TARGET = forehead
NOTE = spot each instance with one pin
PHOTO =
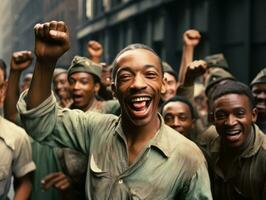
(229, 101)
(176, 107)
(139, 57)
(168, 76)
(80, 75)
(61, 76)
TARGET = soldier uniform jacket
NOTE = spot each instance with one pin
(247, 177)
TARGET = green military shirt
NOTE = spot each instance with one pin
(246, 179)
(169, 167)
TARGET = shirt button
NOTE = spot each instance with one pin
(120, 181)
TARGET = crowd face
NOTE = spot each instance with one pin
(233, 119)
(171, 85)
(61, 86)
(138, 84)
(259, 93)
(26, 83)
(83, 89)
(178, 116)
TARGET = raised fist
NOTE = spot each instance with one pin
(51, 41)
(95, 49)
(191, 37)
(194, 70)
(21, 60)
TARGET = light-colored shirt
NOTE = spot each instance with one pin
(169, 166)
(15, 153)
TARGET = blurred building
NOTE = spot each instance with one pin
(235, 28)
(67, 11)
(20, 17)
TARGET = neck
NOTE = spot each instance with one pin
(140, 134)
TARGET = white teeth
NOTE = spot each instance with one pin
(140, 99)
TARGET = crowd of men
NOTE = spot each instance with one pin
(134, 129)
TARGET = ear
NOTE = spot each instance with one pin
(113, 89)
(254, 113)
(97, 88)
(163, 88)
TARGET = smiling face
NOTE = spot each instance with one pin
(83, 90)
(233, 119)
(138, 83)
(178, 116)
(171, 86)
(61, 86)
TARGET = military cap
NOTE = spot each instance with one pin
(59, 71)
(83, 64)
(260, 77)
(167, 68)
(215, 76)
(216, 60)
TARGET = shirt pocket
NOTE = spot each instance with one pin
(100, 180)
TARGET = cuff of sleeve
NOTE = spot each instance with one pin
(45, 107)
(22, 171)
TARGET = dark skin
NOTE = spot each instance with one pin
(20, 61)
(52, 41)
(138, 75)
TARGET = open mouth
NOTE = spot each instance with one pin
(261, 106)
(232, 135)
(77, 98)
(140, 105)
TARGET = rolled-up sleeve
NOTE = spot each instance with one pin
(49, 123)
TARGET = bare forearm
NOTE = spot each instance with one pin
(40, 88)
(23, 190)
(12, 95)
(187, 58)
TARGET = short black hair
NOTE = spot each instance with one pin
(182, 99)
(133, 47)
(3, 67)
(233, 87)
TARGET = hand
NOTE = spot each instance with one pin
(194, 70)
(95, 49)
(57, 180)
(21, 60)
(191, 38)
(51, 41)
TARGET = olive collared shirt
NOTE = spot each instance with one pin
(169, 166)
(246, 179)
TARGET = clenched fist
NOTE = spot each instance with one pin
(191, 37)
(51, 41)
(21, 60)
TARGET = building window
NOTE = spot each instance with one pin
(89, 8)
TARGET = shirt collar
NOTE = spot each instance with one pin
(160, 141)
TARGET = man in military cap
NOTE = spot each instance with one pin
(258, 88)
(84, 78)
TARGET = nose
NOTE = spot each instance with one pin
(76, 86)
(230, 121)
(139, 82)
